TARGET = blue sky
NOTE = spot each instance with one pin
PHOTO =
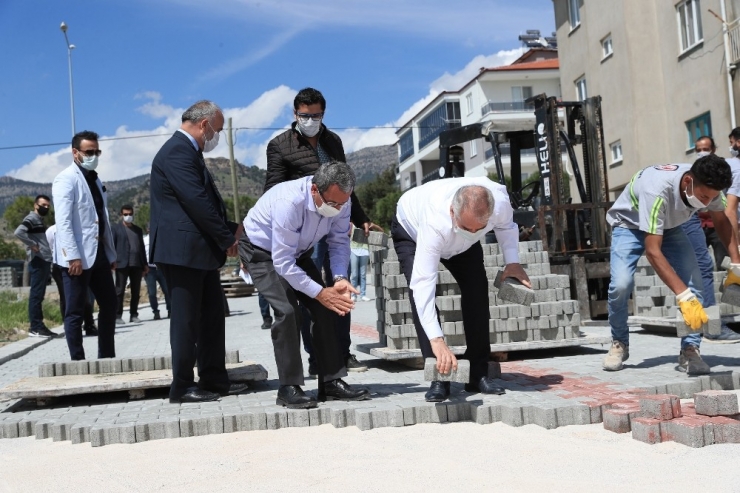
(139, 63)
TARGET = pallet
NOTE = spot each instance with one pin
(667, 325)
(235, 287)
(380, 351)
(44, 388)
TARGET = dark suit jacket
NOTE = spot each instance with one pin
(188, 224)
(120, 240)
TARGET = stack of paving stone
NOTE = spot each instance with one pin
(652, 298)
(553, 316)
(712, 418)
(7, 277)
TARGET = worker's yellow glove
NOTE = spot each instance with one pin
(733, 275)
(691, 309)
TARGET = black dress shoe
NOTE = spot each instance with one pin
(233, 388)
(195, 394)
(293, 397)
(438, 391)
(91, 331)
(485, 385)
(339, 390)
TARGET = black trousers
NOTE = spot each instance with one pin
(99, 280)
(197, 328)
(469, 271)
(720, 252)
(286, 329)
(134, 274)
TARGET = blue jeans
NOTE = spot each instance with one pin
(358, 264)
(698, 240)
(153, 277)
(264, 305)
(38, 270)
(628, 245)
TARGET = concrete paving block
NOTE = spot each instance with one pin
(716, 403)
(722, 430)
(461, 375)
(319, 416)
(480, 413)
(62, 431)
(338, 418)
(145, 431)
(660, 406)
(80, 433)
(110, 365)
(542, 416)
(126, 433)
(46, 370)
(276, 419)
(59, 369)
(687, 431)
(430, 413)
(364, 419)
(160, 363)
(27, 427)
(97, 436)
(716, 381)
(193, 426)
(731, 295)
(458, 411)
(511, 414)
(513, 291)
(646, 430)
(42, 429)
(617, 420)
(298, 418)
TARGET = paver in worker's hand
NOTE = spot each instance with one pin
(512, 290)
(461, 375)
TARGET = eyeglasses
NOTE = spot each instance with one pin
(336, 205)
(304, 117)
(91, 152)
(127, 214)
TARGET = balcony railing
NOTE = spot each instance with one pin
(406, 154)
(734, 34)
(496, 107)
(434, 175)
(505, 151)
(429, 135)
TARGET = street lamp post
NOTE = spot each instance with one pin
(70, 47)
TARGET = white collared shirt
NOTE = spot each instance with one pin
(424, 213)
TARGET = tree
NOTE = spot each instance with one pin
(380, 196)
(245, 203)
(11, 250)
(19, 209)
(141, 216)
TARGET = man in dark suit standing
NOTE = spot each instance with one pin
(189, 240)
(131, 262)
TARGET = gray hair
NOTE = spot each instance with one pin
(474, 198)
(200, 110)
(334, 173)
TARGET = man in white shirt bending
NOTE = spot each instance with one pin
(444, 221)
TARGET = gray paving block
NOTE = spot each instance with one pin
(511, 414)
(458, 411)
(338, 418)
(27, 427)
(430, 413)
(646, 430)
(319, 416)
(731, 295)
(713, 327)
(62, 431)
(276, 419)
(364, 419)
(298, 418)
(46, 370)
(194, 426)
(716, 403)
(540, 415)
(42, 429)
(232, 356)
(80, 433)
(461, 375)
(480, 413)
(512, 290)
(684, 431)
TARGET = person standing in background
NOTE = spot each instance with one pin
(358, 263)
(131, 262)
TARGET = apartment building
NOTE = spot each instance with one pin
(496, 93)
(661, 68)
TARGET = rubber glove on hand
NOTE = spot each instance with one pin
(733, 275)
(691, 309)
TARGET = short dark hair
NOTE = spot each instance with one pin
(127, 207)
(84, 135)
(41, 196)
(735, 134)
(711, 140)
(712, 171)
(309, 96)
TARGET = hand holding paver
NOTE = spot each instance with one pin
(691, 309)
(511, 289)
(461, 375)
(446, 361)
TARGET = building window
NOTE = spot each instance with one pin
(443, 117)
(606, 47)
(521, 93)
(473, 148)
(698, 127)
(574, 15)
(469, 103)
(406, 146)
(581, 92)
(688, 15)
(616, 148)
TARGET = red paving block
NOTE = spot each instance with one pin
(716, 403)
(660, 406)
(646, 430)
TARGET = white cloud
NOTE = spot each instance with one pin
(130, 153)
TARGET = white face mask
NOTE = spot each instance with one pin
(128, 219)
(702, 154)
(327, 210)
(310, 128)
(734, 152)
(692, 199)
(468, 235)
(210, 144)
(89, 162)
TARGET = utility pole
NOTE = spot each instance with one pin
(237, 218)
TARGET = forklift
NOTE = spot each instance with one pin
(575, 235)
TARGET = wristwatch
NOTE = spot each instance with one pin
(339, 278)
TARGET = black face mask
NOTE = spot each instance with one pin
(43, 211)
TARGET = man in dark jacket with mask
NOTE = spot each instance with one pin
(299, 152)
